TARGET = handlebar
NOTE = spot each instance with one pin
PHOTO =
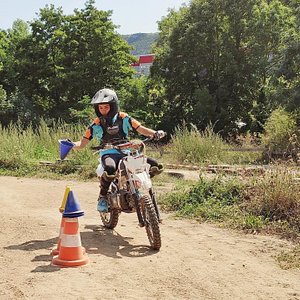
(128, 144)
(123, 144)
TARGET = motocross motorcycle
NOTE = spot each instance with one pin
(132, 191)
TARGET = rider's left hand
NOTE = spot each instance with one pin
(159, 134)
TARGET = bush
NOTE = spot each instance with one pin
(270, 203)
(278, 130)
(275, 197)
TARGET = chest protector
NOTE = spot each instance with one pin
(113, 132)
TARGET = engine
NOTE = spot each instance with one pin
(126, 201)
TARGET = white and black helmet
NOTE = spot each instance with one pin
(106, 96)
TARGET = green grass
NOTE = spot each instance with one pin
(207, 200)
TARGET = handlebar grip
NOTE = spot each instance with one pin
(96, 148)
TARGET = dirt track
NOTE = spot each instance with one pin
(196, 261)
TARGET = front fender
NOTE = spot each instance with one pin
(144, 179)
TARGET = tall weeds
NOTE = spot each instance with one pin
(193, 146)
(200, 147)
(275, 197)
(18, 145)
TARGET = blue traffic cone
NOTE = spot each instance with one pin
(64, 147)
(72, 208)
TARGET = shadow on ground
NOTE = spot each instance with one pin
(98, 240)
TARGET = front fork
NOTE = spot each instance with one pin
(136, 197)
(153, 197)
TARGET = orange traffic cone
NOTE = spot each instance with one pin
(71, 253)
(55, 251)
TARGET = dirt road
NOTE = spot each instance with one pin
(196, 261)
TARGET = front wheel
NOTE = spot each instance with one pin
(110, 219)
(151, 222)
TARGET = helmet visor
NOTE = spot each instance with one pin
(104, 96)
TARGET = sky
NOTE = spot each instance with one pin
(132, 16)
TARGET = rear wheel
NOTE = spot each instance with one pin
(151, 222)
(110, 219)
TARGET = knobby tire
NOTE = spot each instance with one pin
(110, 219)
(151, 222)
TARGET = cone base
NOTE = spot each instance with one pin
(55, 251)
(69, 263)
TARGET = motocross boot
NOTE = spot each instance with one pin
(156, 170)
(104, 186)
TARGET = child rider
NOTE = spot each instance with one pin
(110, 126)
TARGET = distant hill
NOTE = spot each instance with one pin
(141, 42)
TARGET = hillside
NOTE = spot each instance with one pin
(141, 42)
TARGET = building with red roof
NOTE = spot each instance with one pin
(142, 67)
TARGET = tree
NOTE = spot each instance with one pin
(139, 101)
(66, 58)
(9, 43)
(286, 79)
(214, 58)
(3, 47)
